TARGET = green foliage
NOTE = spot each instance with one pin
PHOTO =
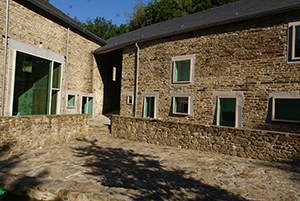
(156, 11)
(102, 28)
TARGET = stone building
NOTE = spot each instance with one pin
(48, 65)
(236, 65)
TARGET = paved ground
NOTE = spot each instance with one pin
(115, 169)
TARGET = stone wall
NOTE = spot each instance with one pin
(20, 133)
(247, 143)
(33, 26)
(248, 57)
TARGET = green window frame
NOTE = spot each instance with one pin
(286, 109)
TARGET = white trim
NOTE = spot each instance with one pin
(35, 51)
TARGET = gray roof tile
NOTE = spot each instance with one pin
(233, 12)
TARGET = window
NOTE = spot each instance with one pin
(150, 105)
(182, 104)
(183, 70)
(294, 42)
(286, 109)
(130, 100)
(87, 105)
(228, 108)
(71, 100)
(227, 111)
(114, 74)
(36, 85)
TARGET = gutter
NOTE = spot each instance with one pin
(136, 77)
(66, 71)
(5, 57)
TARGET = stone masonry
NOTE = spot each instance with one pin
(247, 143)
(35, 27)
(22, 133)
(249, 56)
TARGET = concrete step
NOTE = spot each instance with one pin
(101, 129)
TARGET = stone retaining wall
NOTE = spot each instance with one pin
(247, 143)
(20, 133)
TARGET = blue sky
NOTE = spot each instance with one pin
(109, 9)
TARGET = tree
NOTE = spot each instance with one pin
(156, 11)
(136, 17)
(102, 28)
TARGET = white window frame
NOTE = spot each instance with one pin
(75, 100)
(80, 103)
(291, 43)
(155, 95)
(192, 69)
(190, 97)
(240, 103)
(17, 46)
(130, 94)
(274, 112)
(236, 110)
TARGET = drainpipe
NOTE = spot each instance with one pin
(5, 53)
(67, 51)
(136, 78)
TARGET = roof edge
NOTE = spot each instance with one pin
(69, 22)
(260, 14)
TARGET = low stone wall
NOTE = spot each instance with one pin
(258, 144)
(21, 133)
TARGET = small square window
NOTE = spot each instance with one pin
(130, 100)
(71, 100)
(286, 109)
(182, 104)
(183, 70)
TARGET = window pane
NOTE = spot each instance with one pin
(149, 107)
(31, 85)
(90, 105)
(54, 102)
(182, 70)
(71, 100)
(84, 107)
(227, 112)
(56, 75)
(129, 99)
(181, 105)
(287, 109)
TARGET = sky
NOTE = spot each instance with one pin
(109, 9)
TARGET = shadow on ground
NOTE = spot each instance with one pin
(17, 186)
(144, 174)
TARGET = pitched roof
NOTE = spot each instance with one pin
(241, 10)
(52, 10)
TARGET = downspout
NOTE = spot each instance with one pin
(66, 71)
(5, 53)
(136, 78)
